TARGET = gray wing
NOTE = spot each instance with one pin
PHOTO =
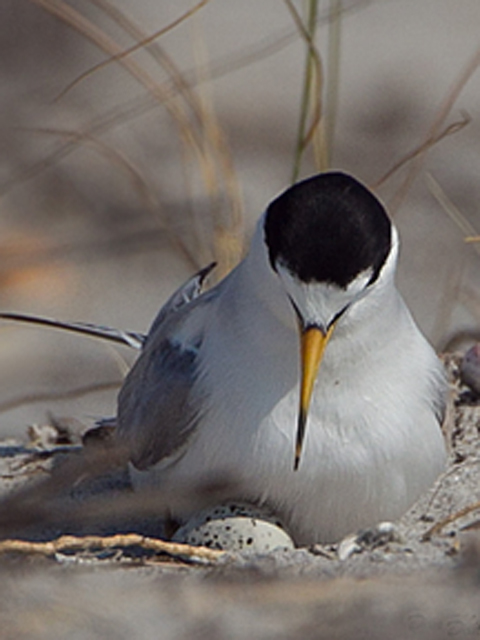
(160, 402)
(190, 290)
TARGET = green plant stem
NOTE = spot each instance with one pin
(333, 74)
(307, 89)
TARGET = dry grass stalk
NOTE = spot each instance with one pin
(186, 110)
(52, 396)
(85, 543)
(119, 17)
(141, 105)
(434, 133)
(115, 157)
(336, 11)
(438, 526)
(312, 90)
(453, 212)
(423, 148)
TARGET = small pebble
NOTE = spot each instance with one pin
(470, 368)
(378, 536)
(348, 546)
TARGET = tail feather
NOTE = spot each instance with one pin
(129, 338)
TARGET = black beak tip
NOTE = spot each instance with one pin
(302, 420)
(296, 463)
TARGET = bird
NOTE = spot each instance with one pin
(302, 374)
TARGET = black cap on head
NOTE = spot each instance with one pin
(328, 228)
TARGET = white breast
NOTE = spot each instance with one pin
(373, 443)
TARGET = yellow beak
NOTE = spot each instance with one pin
(313, 344)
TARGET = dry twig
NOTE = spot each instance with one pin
(84, 543)
(438, 526)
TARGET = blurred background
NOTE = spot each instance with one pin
(139, 140)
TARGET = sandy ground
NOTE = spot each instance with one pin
(420, 581)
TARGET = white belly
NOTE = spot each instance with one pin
(368, 454)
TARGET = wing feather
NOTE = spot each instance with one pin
(156, 409)
(160, 402)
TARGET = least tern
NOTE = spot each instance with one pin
(301, 375)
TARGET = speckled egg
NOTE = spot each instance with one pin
(235, 527)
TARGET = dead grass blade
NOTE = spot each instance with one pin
(441, 524)
(452, 211)
(336, 12)
(454, 286)
(96, 36)
(71, 394)
(423, 148)
(434, 131)
(216, 167)
(51, 548)
(311, 100)
(210, 154)
(178, 82)
(115, 157)
(141, 105)
(119, 17)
